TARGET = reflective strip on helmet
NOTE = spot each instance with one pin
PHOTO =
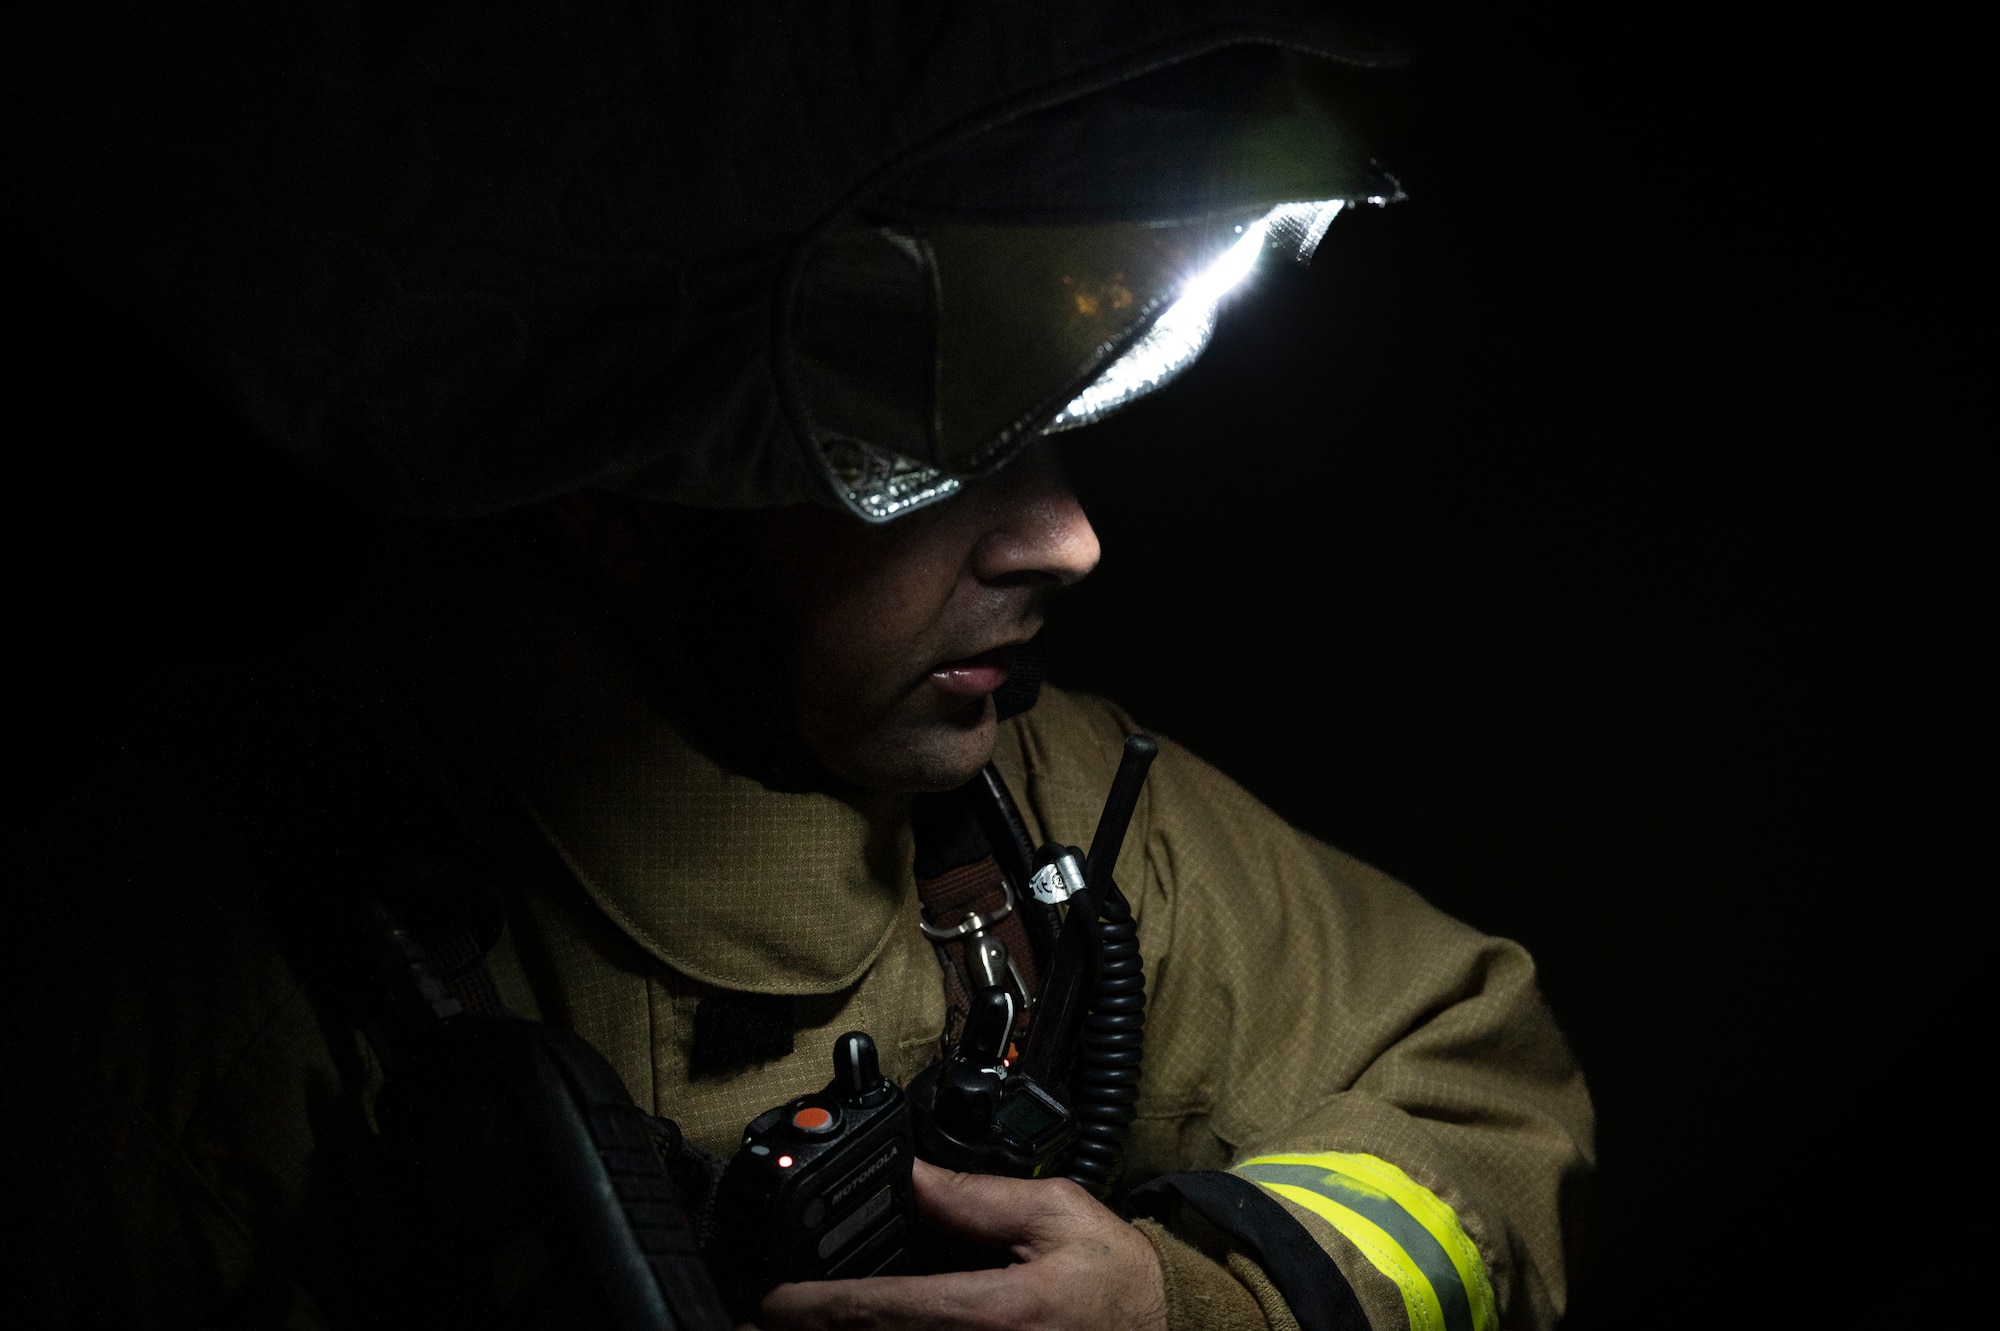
(1403, 1230)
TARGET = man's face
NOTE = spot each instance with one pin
(895, 636)
(901, 633)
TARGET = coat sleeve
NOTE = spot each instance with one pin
(1362, 1096)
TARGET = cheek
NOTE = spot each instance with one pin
(871, 646)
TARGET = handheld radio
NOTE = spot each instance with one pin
(820, 1188)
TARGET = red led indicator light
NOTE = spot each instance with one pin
(784, 1162)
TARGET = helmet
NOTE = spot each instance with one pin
(730, 254)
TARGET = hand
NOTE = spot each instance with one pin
(1077, 1266)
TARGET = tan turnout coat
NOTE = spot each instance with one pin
(1300, 1004)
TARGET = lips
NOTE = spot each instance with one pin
(975, 676)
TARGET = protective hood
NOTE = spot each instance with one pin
(732, 254)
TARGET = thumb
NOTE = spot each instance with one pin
(998, 1212)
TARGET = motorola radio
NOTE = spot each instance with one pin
(820, 1188)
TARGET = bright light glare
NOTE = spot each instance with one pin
(784, 1162)
(1173, 342)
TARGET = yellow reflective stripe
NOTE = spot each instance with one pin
(1420, 1300)
(1424, 1237)
(1429, 1212)
(1443, 1224)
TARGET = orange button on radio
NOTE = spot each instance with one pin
(812, 1119)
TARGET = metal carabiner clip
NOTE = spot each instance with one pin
(973, 927)
(974, 923)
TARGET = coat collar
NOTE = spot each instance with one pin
(724, 880)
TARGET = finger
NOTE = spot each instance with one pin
(962, 1301)
(1001, 1212)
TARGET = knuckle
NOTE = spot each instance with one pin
(1070, 1198)
(1073, 1190)
(849, 1312)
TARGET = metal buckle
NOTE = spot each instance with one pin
(974, 923)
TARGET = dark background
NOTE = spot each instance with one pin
(1592, 540)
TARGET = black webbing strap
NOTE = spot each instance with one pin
(1314, 1288)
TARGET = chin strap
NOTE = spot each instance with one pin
(1024, 681)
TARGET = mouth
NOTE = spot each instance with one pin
(975, 676)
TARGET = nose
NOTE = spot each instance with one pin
(1035, 527)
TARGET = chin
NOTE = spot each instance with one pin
(922, 757)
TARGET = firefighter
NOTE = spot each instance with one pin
(766, 321)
